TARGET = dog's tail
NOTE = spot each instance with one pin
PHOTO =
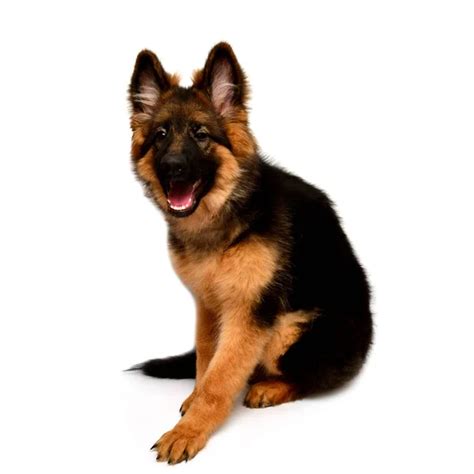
(176, 367)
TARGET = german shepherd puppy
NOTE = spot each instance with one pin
(282, 302)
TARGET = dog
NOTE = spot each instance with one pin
(283, 304)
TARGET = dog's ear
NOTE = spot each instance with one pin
(149, 81)
(223, 80)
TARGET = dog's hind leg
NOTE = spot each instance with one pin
(270, 392)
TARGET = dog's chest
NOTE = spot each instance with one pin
(234, 277)
(200, 273)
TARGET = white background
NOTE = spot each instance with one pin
(372, 101)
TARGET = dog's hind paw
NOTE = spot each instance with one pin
(268, 393)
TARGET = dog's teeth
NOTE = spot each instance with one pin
(180, 208)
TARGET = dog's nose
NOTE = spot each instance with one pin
(174, 165)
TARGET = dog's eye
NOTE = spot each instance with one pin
(161, 133)
(201, 135)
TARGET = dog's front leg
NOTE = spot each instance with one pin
(241, 342)
(206, 341)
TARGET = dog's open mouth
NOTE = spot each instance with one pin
(182, 196)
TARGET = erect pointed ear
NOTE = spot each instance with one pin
(149, 81)
(223, 79)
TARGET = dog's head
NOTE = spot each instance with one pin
(190, 145)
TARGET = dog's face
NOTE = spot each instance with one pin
(190, 144)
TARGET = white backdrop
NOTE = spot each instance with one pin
(371, 101)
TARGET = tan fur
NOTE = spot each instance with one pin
(286, 331)
(244, 145)
(206, 338)
(228, 278)
(270, 392)
(197, 76)
(240, 346)
(144, 169)
(206, 343)
(228, 281)
(138, 138)
(225, 281)
(174, 79)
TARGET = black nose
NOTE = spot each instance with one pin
(174, 166)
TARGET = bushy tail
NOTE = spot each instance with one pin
(176, 367)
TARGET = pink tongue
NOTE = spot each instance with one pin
(180, 195)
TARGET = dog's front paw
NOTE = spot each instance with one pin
(179, 444)
(187, 403)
